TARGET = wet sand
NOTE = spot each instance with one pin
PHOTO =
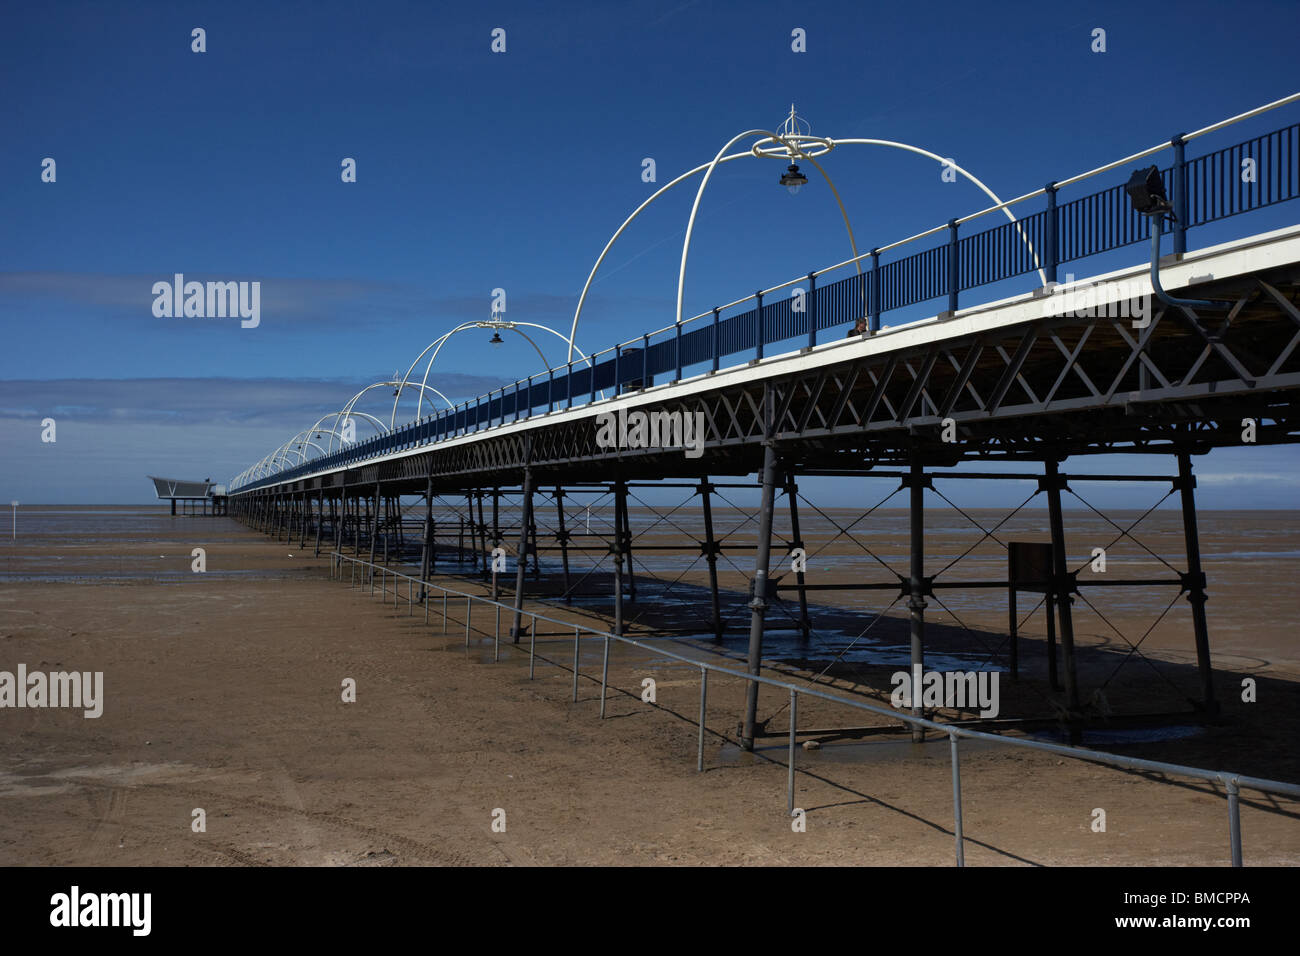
(223, 693)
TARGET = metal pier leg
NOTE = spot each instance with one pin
(711, 556)
(521, 564)
(374, 528)
(1063, 587)
(428, 538)
(956, 799)
(536, 566)
(1053, 678)
(563, 535)
(1013, 631)
(496, 536)
(401, 532)
(618, 587)
(473, 536)
(356, 525)
(758, 601)
(1194, 583)
(623, 530)
(792, 493)
(1234, 820)
(387, 524)
(482, 531)
(917, 586)
(306, 517)
(320, 519)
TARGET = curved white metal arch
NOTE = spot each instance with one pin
(695, 208)
(349, 409)
(437, 344)
(308, 441)
(720, 159)
(379, 425)
(397, 397)
(573, 331)
(983, 188)
(335, 433)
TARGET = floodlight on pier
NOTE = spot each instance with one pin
(1146, 190)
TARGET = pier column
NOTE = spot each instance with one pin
(525, 518)
(792, 494)
(401, 532)
(320, 518)
(482, 532)
(1062, 585)
(758, 601)
(475, 549)
(536, 566)
(917, 585)
(562, 535)
(356, 525)
(496, 537)
(374, 528)
(616, 551)
(428, 537)
(711, 549)
(387, 524)
(623, 531)
(1194, 582)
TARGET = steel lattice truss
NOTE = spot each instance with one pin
(1047, 388)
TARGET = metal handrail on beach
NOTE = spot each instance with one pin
(1232, 782)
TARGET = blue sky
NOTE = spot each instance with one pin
(478, 170)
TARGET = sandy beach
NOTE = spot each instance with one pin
(223, 693)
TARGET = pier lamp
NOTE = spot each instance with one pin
(793, 180)
(496, 340)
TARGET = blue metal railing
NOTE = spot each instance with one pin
(1206, 189)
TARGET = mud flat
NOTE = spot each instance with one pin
(222, 692)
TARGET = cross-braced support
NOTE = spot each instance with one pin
(758, 601)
